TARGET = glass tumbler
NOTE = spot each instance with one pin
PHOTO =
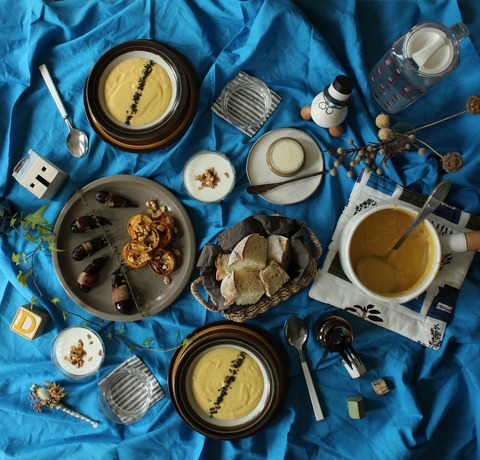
(246, 102)
(125, 396)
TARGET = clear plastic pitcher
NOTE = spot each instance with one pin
(418, 60)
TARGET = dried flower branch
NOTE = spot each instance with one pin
(391, 142)
(46, 397)
(50, 396)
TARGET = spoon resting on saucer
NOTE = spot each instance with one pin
(77, 140)
(262, 188)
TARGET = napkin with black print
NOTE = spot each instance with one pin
(423, 319)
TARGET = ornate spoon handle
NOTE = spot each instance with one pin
(76, 414)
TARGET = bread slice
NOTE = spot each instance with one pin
(228, 289)
(221, 264)
(278, 250)
(249, 254)
(249, 287)
(273, 277)
(242, 288)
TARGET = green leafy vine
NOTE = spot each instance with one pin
(38, 231)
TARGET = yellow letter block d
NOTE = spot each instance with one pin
(29, 322)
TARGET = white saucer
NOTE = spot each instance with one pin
(258, 171)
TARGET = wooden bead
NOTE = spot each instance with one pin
(306, 112)
(336, 131)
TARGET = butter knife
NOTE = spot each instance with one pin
(262, 188)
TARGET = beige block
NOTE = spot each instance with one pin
(29, 322)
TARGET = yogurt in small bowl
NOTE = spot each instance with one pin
(209, 176)
(77, 352)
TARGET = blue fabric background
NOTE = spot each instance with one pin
(296, 48)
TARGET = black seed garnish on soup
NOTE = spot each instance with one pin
(147, 70)
(227, 382)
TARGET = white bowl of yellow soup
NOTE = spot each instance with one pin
(138, 90)
(227, 380)
(373, 233)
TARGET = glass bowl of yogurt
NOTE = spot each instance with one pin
(78, 352)
(209, 176)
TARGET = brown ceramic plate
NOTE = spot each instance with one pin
(251, 341)
(171, 125)
(151, 293)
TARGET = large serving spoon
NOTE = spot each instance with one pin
(77, 140)
(296, 334)
(432, 202)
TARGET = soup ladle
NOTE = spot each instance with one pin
(392, 277)
(77, 140)
(296, 334)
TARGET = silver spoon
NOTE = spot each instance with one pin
(371, 261)
(262, 188)
(296, 334)
(433, 201)
(77, 141)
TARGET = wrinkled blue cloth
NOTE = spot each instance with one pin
(297, 48)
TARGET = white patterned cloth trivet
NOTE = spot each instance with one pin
(423, 319)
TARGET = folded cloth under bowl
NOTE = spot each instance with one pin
(423, 319)
(246, 105)
(136, 363)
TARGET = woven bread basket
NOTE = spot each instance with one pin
(287, 290)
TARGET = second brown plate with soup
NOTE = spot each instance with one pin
(228, 381)
(140, 96)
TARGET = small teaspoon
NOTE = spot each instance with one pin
(77, 140)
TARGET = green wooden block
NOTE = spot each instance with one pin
(356, 407)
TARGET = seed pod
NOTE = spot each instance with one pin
(121, 295)
(89, 277)
(88, 248)
(87, 223)
(112, 200)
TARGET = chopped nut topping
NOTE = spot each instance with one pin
(154, 209)
(77, 354)
(166, 280)
(209, 179)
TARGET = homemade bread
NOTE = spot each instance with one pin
(242, 288)
(228, 289)
(278, 250)
(221, 264)
(249, 254)
(273, 277)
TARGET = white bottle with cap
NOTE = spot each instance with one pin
(330, 107)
